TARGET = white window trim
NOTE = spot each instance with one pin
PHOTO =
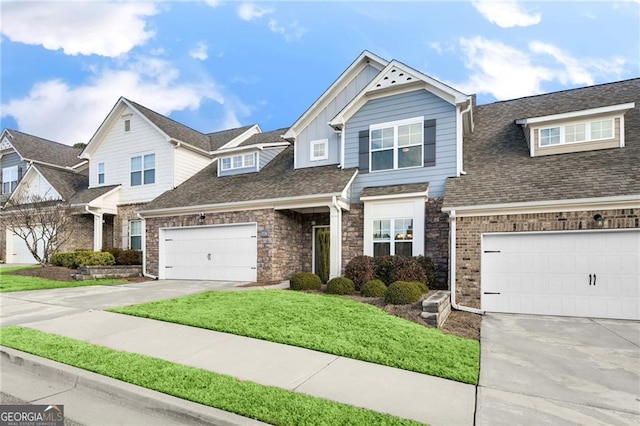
(243, 158)
(395, 125)
(313, 144)
(131, 234)
(587, 132)
(392, 235)
(9, 170)
(411, 207)
(142, 169)
(104, 174)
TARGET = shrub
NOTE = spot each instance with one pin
(360, 270)
(407, 269)
(383, 265)
(125, 257)
(82, 258)
(373, 288)
(323, 238)
(429, 268)
(340, 285)
(305, 281)
(402, 293)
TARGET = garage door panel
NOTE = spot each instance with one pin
(593, 274)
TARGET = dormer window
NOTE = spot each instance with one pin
(319, 150)
(577, 132)
(238, 161)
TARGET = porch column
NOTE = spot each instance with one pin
(97, 231)
(335, 228)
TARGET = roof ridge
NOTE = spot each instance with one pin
(136, 104)
(63, 145)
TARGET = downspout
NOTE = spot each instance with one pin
(144, 248)
(462, 113)
(452, 268)
(342, 142)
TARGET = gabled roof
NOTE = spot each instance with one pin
(44, 151)
(499, 169)
(364, 59)
(395, 77)
(278, 180)
(259, 141)
(67, 183)
(218, 139)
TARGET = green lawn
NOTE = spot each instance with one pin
(330, 324)
(10, 282)
(268, 404)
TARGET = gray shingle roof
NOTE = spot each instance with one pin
(42, 150)
(66, 182)
(87, 195)
(500, 170)
(266, 137)
(217, 139)
(277, 180)
(376, 191)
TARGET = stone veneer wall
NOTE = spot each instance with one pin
(352, 233)
(469, 229)
(3, 242)
(436, 241)
(306, 254)
(288, 242)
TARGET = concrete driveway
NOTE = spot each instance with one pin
(540, 370)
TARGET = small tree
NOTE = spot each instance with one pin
(40, 221)
(323, 238)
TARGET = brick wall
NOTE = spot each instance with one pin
(436, 241)
(469, 229)
(126, 213)
(81, 237)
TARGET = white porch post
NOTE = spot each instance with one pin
(335, 228)
(97, 231)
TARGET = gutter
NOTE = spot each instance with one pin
(144, 249)
(452, 267)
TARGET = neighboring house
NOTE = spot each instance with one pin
(368, 161)
(546, 219)
(135, 155)
(23, 158)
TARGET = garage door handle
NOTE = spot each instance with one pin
(490, 292)
(589, 279)
(594, 279)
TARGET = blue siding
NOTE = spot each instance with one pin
(267, 155)
(12, 159)
(239, 171)
(398, 107)
(319, 129)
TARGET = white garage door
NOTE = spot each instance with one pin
(586, 274)
(224, 253)
(17, 251)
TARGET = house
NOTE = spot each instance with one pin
(24, 160)
(546, 217)
(367, 162)
(134, 156)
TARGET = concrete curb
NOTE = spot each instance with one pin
(127, 393)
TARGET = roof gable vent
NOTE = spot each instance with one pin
(394, 77)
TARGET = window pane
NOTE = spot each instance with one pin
(226, 163)
(100, 167)
(149, 176)
(150, 161)
(382, 138)
(381, 229)
(404, 248)
(410, 134)
(382, 160)
(381, 249)
(574, 133)
(6, 187)
(319, 150)
(101, 178)
(136, 227)
(248, 160)
(136, 243)
(602, 129)
(550, 136)
(136, 163)
(410, 156)
(237, 161)
(403, 229)
(136, 178)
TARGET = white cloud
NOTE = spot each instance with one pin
(213, 3)
(506, 72)
(199, 51)
(506, 13)
(291, 33)
(69, 114)
(251, 11)
(79, 28)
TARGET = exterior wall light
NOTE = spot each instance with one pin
(201, 219)
(599, 219)
(264, 233)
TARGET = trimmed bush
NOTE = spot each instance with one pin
(402, 293)
(383, 267)
(422, 286)
(340, 285)
(407, 269)
(429, 268)
(80, 258)
(373, 288)
(125, 257)
(360, 270)
(305, 281)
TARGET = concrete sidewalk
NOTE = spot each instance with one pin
(390, 390)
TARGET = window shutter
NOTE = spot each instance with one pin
(363, 139)
(125, 235)
(429, 143)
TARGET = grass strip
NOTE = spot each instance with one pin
(265, 403)
(330, 324)
(9, 283)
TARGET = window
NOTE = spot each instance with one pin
(100, 173)
(9, 179)
(396, 145)
(135, 235)
(577, 132)
(238, 161)
(319, 150)
(143, 169)
(127, 125)
(393, 237)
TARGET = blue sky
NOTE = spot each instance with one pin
(214, 65)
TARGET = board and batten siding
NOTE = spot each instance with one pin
(399, 107)
(116, 150)
(188, 163)
(319, 129)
